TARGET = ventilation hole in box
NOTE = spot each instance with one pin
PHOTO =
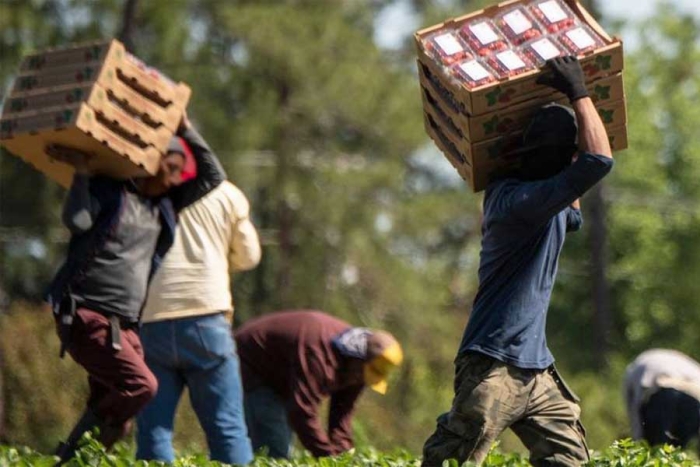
(441, 113)
(123, 104)
(138, 87)
(445, 94)
(127, 135)
(449, 145)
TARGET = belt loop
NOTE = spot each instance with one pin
(115, 332)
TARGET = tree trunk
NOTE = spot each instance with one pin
(285, 215)
(602, 318)
(126, 35)
(261, 295)
(2, 404)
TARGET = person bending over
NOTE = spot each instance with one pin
(662, 391)
(291, 361)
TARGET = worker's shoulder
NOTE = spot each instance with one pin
(228, 193)
(498, 190)
(502, 185)
(227, 188)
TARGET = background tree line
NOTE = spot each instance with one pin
(359, 214)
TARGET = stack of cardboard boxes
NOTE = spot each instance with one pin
(478, 78)
(97, 98)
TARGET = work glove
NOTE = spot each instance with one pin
(566, 76)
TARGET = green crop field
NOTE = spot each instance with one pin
(621, 453)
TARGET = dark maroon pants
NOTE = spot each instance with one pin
(120, 382)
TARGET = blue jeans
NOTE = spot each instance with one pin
(199, 353)
(266, 417)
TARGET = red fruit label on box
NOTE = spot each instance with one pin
(518, 22)
(449, 44)
(511, 60)
(475, 70)
(484, 33)
(545, 49)
(581, 38)
(553, 11)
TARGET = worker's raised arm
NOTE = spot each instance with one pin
(592, 136)
(567, 77)
(210, 173)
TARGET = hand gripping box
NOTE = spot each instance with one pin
(97, 98)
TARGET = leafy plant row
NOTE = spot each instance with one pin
(623, 453)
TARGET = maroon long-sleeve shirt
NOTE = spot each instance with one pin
(291, 353)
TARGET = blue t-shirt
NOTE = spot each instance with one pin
(523, 233)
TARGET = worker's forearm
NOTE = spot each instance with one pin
(592, 136)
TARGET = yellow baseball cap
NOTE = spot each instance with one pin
(384, 353)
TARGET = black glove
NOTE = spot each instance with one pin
(567, 77)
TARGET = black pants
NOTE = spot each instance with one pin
(670, 417)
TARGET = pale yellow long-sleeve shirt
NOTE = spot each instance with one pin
(214, 237)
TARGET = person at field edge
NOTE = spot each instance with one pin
(120, 232)
(505, 376)
(662, 391)
(187, 335)
(291, 361)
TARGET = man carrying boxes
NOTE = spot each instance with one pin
(120, 232)
(478, 78)
(505, 377)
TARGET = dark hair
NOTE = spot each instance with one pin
(548, 143)
(545, 161)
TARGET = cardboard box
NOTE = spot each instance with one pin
(53, 57)
(602, 62)
(111, 63)
(513, 118)
(77, 126)
(478, 163)
(612, 112)
(108, 113)
(97, 98)
(134, 103)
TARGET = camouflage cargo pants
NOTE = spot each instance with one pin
(491, 396)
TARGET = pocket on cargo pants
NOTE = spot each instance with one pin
(467, 431)
(572, 396)
(551, 428)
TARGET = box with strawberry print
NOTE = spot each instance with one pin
(518, 25)
(580, 40)
(447, 48)
(509, 63)
(554, 15)
(543, 49)
(473, 73)
(483, 37)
